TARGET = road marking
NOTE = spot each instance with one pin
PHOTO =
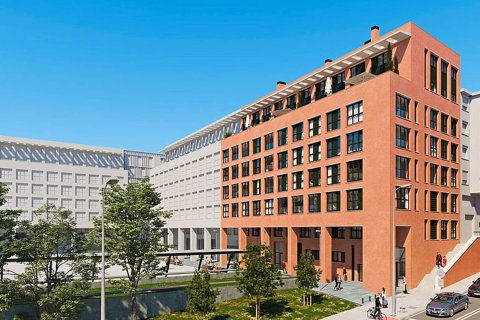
(470, 314)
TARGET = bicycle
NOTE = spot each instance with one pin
(371, 314)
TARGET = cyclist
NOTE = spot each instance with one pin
(378, 305)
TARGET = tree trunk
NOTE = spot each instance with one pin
(257, 308)
(133, 312)
(1, 272)
(303, 299)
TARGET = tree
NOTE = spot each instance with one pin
(259, 276)
(8, 224)
(395, 65)
(389, 58)
(307, 276)
(53, 253)
(201, 295)
(133, 233)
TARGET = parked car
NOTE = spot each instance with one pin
(474, 289)
(447, 304)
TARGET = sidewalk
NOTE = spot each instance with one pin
(407, 304)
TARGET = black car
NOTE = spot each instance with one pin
(474, 289)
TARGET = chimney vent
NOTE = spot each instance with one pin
(281, 85)
(374, 33)
(328, 61)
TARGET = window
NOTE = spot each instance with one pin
(358, 69)
(355, 113)
(245, 149)
(282, 137)
(255, 118)
(235, 190)
(402, 167)
(443, 229)
(297, 180)
(379, 64)
(234, 152)
(226, 211)
(433, 229)
(443, 123)
(443, 78)
(225, 174)
(444, 178)
(453, 178)
(226, 154)
(453, 229)
(402, 137)
(433, 201)
(354, 142)
(278, 105)
(245, 209)
(433, 147)
(226, 192)
(297, 156)
(433, 73)
(333, 174)
(283, 205)
(266, 113)
(234, 210)
(269, 185)
(305, 233)
(356, 232)
(453, 84)
(269, 163)
(282, 183)
(298, 132)
(443, 202)
(333, 201)
(453, 127)
(235, 171)
(433, 173)
(22, 188)
(333, 120)
(257, 208)
(453, 203)
(354, 170)
(355, 199)
(444, 149)
(453, 152)
(269, 207)
(314, 126)
(245, 169)
(256, 187)
(314, 151)
(268, 141)
(333, 147)
(291, 102)
(283, 160)
(314, 177)
(245, 189)
(278, 232)
(338, 256)
(52, 176)
(320, 90)
(297, 203)
(338, 82)
(37, 175)
(402, 107)
(66, 191)
(22, 174)
(257, 166)
(433, 119)
(314, 202)
(305, 96)
(257, 145)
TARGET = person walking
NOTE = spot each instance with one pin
(284, 267)
(383, 297)
(439, 260)
(336, 283)
(344, 274)
(405, 285)
(377, 306)
(444, 261)
(339, 282)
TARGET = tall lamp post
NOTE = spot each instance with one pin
(110, 182)
(394, 273)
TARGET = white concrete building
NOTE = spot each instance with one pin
(189, 183)
(470, 164)
(66, 175)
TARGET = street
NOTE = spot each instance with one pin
(472, 313)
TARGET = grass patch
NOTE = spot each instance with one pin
(287, 304)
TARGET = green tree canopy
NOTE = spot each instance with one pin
(201, 295)
(307, 275)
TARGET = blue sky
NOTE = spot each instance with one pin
(141, 74)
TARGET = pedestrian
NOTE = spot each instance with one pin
(336, 283)
(444, 261)
(344, 274)
(377, 306)
(405, 285)
(339, 282)
(384, 300)
(284, 267)
(439, 260)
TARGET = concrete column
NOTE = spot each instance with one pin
(193, 242)
(242, 241)
(265, 236)
(207, 238)
(181, 239)
(291, 257)
(223, 245)
(326, 254)
(170, 238)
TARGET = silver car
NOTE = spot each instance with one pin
(447, 304)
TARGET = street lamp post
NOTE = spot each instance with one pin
(394, 273)
(110, 182)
